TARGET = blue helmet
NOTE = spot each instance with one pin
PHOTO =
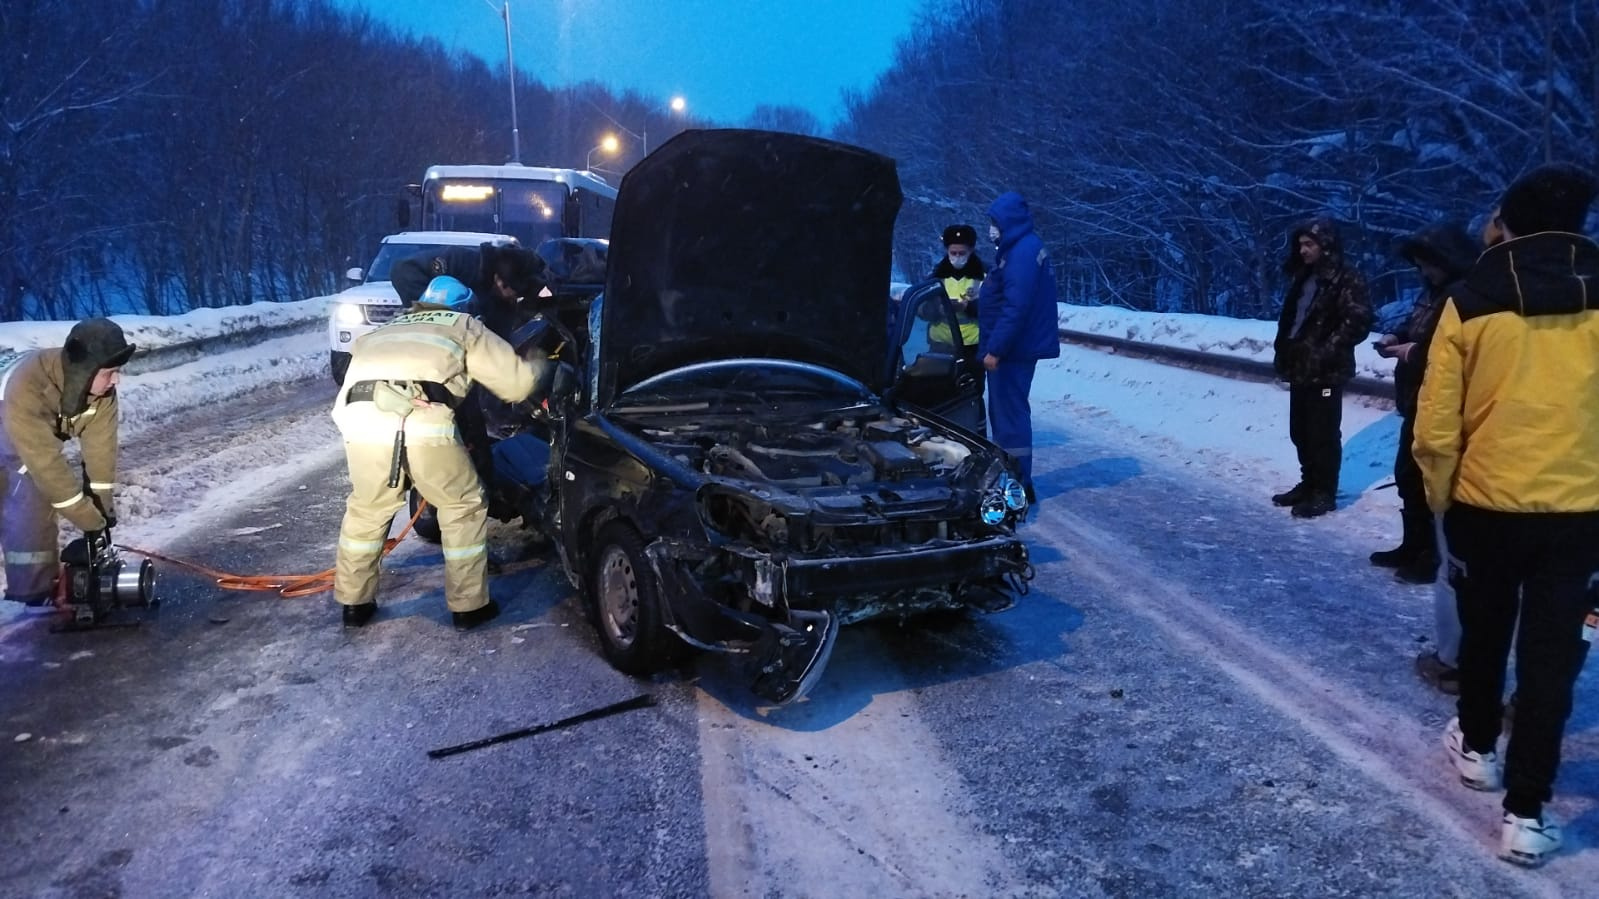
(451, 294)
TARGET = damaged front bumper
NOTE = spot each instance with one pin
(785, 611)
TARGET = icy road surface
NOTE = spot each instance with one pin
(1201, 696)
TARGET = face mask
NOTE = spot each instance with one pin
(959, 260)
(993, 234)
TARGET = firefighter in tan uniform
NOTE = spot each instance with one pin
(396, 416)
(48, 397)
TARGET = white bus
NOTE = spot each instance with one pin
(530, 203)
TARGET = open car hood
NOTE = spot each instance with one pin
(733, 243)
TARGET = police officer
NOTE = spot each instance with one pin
(398, 421)
(48, 397)
(961, 272)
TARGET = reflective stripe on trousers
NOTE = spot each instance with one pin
(29, 535)
(446, 479)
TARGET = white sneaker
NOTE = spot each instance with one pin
(1477, 770)
(1528, 841)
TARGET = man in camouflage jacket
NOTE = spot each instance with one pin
(1325, 314)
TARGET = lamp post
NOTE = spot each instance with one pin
(609, 144)
(676, 105)
(510, 71)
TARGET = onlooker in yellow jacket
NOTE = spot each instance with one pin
(1507, 437)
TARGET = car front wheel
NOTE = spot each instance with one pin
(626, 601)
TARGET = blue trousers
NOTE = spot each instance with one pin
(1010, 415)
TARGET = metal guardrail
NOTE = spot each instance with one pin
(175, 354)
(1213, 363)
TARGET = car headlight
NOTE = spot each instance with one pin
(1015, 494)
(348, 314)
(993, 509)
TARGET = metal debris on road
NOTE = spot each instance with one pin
(643, 700)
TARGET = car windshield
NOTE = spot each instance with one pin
(394, 252)
(742, 385)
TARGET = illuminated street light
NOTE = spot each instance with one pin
(607, 145)
(676, 105)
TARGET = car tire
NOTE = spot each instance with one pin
(427, 526)
(625, 601)
(339, 363)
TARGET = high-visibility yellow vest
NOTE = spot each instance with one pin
(939, 332)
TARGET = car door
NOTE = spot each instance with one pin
(933, 369)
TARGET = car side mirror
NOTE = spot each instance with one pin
(354, 274)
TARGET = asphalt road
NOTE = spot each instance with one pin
(1201, 696)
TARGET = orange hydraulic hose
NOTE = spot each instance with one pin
(288, 586)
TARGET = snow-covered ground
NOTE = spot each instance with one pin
(1220, 427)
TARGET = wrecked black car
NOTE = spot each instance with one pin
(738, 464)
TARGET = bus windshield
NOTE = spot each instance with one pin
(531, 203)
(529, 210)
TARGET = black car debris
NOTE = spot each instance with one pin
(744, 458)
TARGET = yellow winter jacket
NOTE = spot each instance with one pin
(34, 428)
(1508, 418)
(428, 344)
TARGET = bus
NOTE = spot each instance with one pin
(530, 203)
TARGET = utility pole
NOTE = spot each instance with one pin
(510, 71)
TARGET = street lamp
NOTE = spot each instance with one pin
(510, 71)
(676, 104)
(608, 144)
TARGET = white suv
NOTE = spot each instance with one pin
(373, 301)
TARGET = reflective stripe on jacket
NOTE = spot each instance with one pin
(428, 344)
(33, 433)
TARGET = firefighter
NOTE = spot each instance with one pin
(48, 397)
(500, 277)
(398, 420)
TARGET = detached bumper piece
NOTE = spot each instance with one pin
(791, 657)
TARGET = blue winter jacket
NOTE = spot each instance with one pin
(1016, 304)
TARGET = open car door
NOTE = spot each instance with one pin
(931, 370)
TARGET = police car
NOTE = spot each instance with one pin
(373, 300)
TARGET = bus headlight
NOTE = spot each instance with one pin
(348, 314)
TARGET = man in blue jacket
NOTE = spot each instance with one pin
(1018, 326)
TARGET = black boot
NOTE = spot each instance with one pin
(465, 621)
(1421, 569)
(1314, 505)
(1293, 496)
(356, 616)
(1418, 540)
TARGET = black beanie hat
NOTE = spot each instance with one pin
(964, 234)
(91, 345)
(1553, 197)
(521, 269)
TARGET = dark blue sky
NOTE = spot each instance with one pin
(722, 56)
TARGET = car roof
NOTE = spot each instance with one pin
(449, 238)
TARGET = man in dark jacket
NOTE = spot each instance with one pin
(500, 276)
(1325, 314)
(48, 397)
(1018, 325)
(1509, 455)
(1442, 254)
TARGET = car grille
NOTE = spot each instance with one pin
(382, 315)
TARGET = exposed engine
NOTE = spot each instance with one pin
(836, 452)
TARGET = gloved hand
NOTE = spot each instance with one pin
(99, 542)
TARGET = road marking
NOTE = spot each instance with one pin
(862, 806)
(1369, 736)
